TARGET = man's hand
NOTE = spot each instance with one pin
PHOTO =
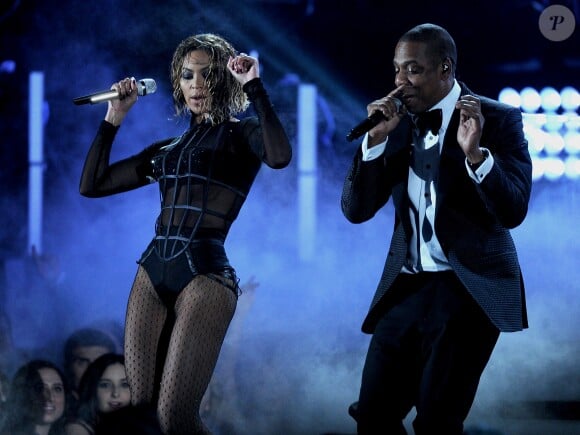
(470, 127)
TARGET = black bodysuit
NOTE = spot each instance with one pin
(204, 177)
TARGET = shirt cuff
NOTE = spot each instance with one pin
(484, 168)
(374, 152)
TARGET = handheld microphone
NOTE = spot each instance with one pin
(144, 87)
(365, 125)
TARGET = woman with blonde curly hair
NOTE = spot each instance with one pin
(185, 291)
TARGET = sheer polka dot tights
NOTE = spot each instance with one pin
(203, 311)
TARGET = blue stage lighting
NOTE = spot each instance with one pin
(530, 100)
(554, 144)
(572, 142)
(551, 127)
(510, 96)
(536, 139)
(572, 168)
(537, 168)
(550, 99)
(570, 99)
(553, 168)
(572, 122)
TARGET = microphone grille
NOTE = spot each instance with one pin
(146, 86)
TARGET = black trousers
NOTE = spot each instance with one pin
(428, 351)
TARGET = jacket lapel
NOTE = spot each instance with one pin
(451, 166)
(400, 157)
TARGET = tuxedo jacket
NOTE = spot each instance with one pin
(472, 221)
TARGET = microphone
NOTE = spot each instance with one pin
(365, 125)
(144, 87)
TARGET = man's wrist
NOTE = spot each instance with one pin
(475, 162)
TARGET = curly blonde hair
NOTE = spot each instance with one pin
(228, 98)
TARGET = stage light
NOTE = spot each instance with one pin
(536, 139)
(537, 168)
(572, 122)
(550, 98)
(572, 168)
(536, 120)
(553, 168)
(572, 142)
(553, 122)
(510, 96)
(570, 99)
(7, 66)
(552, 128)
(554, 144)
(530, 100)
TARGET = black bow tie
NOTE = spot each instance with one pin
(430, 120)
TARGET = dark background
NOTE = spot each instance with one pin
(302, 350)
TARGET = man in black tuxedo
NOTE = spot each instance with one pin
(459, 173)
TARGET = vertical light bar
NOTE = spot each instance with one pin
(307, 164)
(35, 159)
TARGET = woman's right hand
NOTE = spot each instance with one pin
(119, 107)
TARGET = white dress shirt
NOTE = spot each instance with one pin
(428, 255)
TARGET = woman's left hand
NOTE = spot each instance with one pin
(244, 68)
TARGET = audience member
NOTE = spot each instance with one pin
(6, 344)
(11, 356)
(4, 385)
(36, 401)
(103, 388)
(129, 420)
(80, 349)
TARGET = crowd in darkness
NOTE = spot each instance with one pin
(74, 383)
